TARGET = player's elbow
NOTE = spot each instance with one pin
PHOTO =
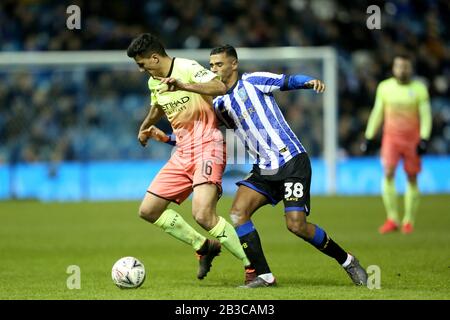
(220, 88)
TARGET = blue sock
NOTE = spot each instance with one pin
(318, 238)
(245, 228)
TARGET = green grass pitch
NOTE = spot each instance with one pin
(38, 241)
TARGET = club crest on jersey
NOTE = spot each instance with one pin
(411, 93)
(243, 94)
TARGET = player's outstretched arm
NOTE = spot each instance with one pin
(213, 87)
(300, 81)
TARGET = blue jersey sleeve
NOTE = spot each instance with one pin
(265, 81)
(297, 81)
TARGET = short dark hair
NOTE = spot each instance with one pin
(228, 49)
(144, 45)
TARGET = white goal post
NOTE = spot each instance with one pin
(327, 55)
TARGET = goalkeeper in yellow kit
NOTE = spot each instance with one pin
(404, 106)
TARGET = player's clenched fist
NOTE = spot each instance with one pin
(169, 84)
(143, 137)
(154, 133)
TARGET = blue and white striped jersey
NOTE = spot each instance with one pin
(249, 107)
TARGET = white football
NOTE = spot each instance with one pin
(128, 272)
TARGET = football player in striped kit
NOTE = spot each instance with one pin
(282, 169)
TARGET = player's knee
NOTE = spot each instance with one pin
(148, 213)
(143, 213)
(389, 173)
(238, 216)
(204, 216)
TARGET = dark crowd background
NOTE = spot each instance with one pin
(72, 114)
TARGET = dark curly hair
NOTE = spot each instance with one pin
(145, 45)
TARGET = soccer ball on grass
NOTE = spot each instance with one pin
(128, 273)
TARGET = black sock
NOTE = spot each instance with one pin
(253, 249)
(325, 244)
(332, 249)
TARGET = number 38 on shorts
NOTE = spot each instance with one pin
(293, 190)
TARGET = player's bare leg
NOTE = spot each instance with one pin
(245, 203)
(202, 214)
(204, 211)
(152, 207)
(204, 203)
(297, 224)
(411, 204)
(154, 210)
(389, 195)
